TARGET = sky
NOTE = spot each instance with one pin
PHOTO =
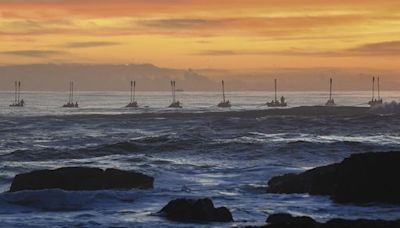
(222, 34)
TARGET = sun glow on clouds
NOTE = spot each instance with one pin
(194, 33)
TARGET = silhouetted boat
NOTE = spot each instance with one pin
(71, 103)
(175, 103)
(276, 102)
(331, 101)
(133, 103)
(224, 103)
(375, 101)
(17, 94)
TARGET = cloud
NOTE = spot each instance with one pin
(231, 52)
(90, 44)
(389, 48)
(33, 53)
(174, 23)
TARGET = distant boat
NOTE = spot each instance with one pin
(375, 101)
(331, 101)
(276, 102)
(17, 95)
(71, 103)
(224, 103)
(180, 90)
(175, 103)
(133, 103)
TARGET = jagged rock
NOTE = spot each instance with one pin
(318, 181)
(361, 178)
(284, 220)
(202, 210)
(80, 179)
(370, 177)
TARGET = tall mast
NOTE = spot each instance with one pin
(19, 90)
(373, 88)
(15, 92)
(223, 91)
(379, 90)
(131, 91)
(134, 90)
(330, 90)
(276, 98)
(174, 91)
(72, 92)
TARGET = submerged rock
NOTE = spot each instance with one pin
(284, 220)
(361, 178)
(80, 179)
(202, 210)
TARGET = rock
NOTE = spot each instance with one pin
(288, 221)
(80, 179)
(361, 178)
(202, 210)
(370, 177)
(361, 223)
(318, 181)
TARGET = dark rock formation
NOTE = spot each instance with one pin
(361, 178)
(371, 177)
(318, 181)
(202, 210)
(288, 221)
(80, 179)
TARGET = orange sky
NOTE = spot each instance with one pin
(247, 34)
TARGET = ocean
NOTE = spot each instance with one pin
(198, 151)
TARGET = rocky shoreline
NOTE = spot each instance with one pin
(360, 179)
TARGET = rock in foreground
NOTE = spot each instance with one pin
(361, 178)
(201, 210)
(80, 179)
(288, 221)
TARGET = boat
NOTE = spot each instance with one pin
(71, 103)
(276, 102)
(17, 94)
(375, 101)
(175, 103)
(224, 103)
(133, 103)
(331, 101)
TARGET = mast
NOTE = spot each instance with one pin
(134, 90)
(69, 95)
(131, 92)
(19, 91)
(223, 91)
(72, 92)
(373, 88)
(379, 90)
(330, 90)
(276, 90)
(15, 92)
(174, 91)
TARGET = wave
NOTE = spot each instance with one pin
(255, 113)
(60, 200)
(387, 108)
(141, 145)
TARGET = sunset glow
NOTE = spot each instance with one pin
(201, 33)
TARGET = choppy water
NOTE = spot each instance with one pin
(198, 153)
